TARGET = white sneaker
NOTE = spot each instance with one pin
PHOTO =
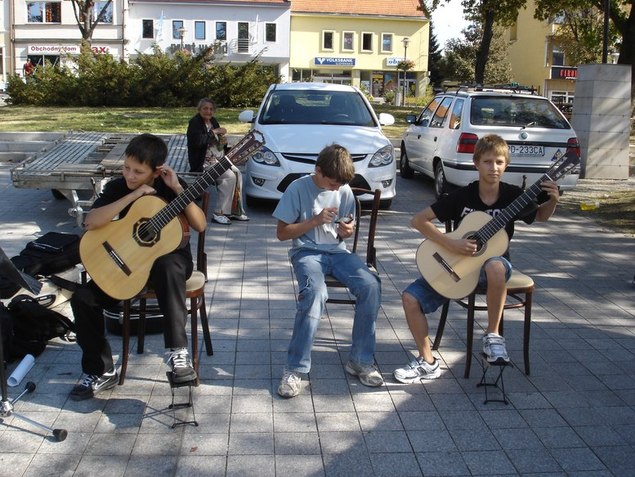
(181, 364)
(494, 348)
(289, 384)
(221, 219)
(418, 368)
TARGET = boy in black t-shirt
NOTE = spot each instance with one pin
(144, 173)
(490, 195)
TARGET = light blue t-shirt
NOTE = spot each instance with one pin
(302, 200)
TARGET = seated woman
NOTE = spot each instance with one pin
(206, 144)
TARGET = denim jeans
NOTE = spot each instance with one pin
(310, 267)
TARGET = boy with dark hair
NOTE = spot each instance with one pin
(307, 214)
(144, 172)
(488, 194)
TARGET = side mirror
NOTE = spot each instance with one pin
(411, 118)
(246, 116)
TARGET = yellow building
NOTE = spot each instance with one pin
(537, 61)
(360, 43)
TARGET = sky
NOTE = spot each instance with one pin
(448, 21)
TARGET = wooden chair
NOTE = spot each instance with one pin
(194, 291)
(371, 259)
(520, 288)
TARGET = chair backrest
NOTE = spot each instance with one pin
(371, 253)
(201, 255)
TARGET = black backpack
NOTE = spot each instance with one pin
(31, 325)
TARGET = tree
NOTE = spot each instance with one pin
(85, 17)
(621, 14)
(435, 59)
(487, 13)
(461, 56)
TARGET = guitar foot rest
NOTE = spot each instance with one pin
(181, 405)
(498, 383)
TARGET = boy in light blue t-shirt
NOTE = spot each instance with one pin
(315, 212)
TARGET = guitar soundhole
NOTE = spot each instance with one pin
(480, 246)
(144, 234)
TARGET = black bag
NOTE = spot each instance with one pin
(6, 328)
(34, 325)
(52, 253)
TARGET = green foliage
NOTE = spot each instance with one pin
(156, 79)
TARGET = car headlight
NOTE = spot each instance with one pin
(383, 157)
(265, 156)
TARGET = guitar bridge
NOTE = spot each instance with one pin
(448, 268)
(117, 259)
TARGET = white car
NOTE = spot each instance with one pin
(297, 120)
(440, 141)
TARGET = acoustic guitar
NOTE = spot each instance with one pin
(119, 256)
(455, 276)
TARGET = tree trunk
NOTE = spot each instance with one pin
(483, 51)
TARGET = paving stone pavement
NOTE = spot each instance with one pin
(574, 415)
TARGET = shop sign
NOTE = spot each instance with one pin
(564, 72)
(52, 49)
(394, 60)
(324, 61)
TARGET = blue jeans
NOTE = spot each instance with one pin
(310, 267)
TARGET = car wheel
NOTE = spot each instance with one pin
(440, 184)
(404, 166)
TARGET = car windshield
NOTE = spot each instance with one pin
(316, 107)
(516, 112)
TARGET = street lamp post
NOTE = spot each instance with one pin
(405, 42)
(181, 35)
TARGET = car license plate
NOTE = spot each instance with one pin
(524, 150)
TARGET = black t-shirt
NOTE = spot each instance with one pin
(116, 188)
(461, 202)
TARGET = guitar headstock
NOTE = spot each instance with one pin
(246, 147)
(563, 166)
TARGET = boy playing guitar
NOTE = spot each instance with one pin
(490, 195)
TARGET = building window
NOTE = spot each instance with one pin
(176, 26)
(327, 40)
(243, 37)
(199, 30)
(270, 32)
(557, 58)
(221, 30)
(44, 12)
(1, 61)
(367, 42)
(347, 40)
(147, 28)
(386, 42)
(106, 16)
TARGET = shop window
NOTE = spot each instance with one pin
(199, 30)
(106, 15)
(147, 29)
(270, 32)
(367, 42)
(386, 42)
(327, 40)
(221, 30)
(347, 40)
(44, 12)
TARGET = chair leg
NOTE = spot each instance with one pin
(206, 334)
(194, 332)
(470, 334)
(527, 330)
(141, 326)
(125, 336)
(441, 326)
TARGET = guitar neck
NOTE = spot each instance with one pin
(195, 190)
(512, 210)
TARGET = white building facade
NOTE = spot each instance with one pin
(241, 30)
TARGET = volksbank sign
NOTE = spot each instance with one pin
(323, 61)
